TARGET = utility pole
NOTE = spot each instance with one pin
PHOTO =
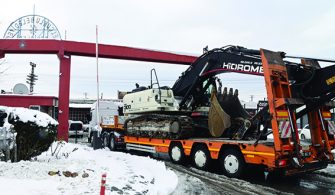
(32, 77)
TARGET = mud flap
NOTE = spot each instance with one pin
(218, 119)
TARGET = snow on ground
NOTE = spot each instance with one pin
(330, 170)
(126, 173)
(192, 185)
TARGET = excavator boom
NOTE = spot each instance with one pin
(309, 82)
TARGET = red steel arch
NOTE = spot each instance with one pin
(65, 49)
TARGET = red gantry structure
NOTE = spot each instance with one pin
(65, 49)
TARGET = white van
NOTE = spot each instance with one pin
(76, 128)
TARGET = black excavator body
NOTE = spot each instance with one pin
(197, 88)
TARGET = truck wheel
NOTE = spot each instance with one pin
(232, 163)
(105, 139)
(303, 137)
(176, 153)
(112, 145)
(201, 158)
(89, 138)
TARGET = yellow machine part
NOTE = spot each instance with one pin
(218, 119)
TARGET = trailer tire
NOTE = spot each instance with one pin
(232, 163)
(201, 157)
(112, 145)
(105, 139)
(176, 153)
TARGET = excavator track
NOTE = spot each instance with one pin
(159, 126)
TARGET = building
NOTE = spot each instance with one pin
(46, 104)
(79, 109)
(79, 112)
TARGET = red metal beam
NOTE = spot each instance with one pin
(65, 49)
(26, 100)
(31, 46)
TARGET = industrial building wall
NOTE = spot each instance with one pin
(79, 114)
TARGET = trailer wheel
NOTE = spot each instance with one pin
(176, 153)
(105, 139)
(232, 163)
(201, 157)
(112, 145)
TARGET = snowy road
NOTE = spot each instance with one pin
(319, 182)
(193, 181)
(216, 184)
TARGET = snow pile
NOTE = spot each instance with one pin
(27, 115)
(35, 131)
(126, 173)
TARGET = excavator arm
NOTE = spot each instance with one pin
(308, 81)
(210, 64)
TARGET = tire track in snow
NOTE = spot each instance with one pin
(223, 184)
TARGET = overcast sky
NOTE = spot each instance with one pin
(297, 27)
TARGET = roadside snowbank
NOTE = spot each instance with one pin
(125, 173)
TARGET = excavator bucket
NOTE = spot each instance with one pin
(227, 117)
(218, 119)
(230, 103)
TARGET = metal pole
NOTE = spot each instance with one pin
(75, 139)
(97, 61)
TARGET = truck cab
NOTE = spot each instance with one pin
(110, 123)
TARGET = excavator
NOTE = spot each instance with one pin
(197, 106)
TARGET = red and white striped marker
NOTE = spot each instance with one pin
(331, 127)
(103, 184)
(285, 128)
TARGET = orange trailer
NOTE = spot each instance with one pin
(285, 152)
